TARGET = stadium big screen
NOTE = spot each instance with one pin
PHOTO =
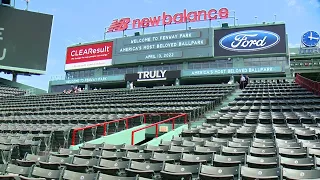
(24, 40)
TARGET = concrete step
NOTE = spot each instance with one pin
(224, 103)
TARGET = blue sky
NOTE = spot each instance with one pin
(78, 21)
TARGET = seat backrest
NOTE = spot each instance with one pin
(82, 161)
(157, 167)
(272, 173)
(181, 168)
(91, 146)
(89, 152)
(111, 147)
(191, 157)
(32, 157)
(261, 160)
(115, 164)
(165, 156)
(101, 176)
(219, 170)
(300, 174)
(21, 170)
(62, 160)
(70, 175)
(68, 151)
(157, 148)
(111, 154)
(297, 161)
(181, 148)
(229, 159)
(46, 173)
(134, 155)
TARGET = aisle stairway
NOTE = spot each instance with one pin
(224, 103)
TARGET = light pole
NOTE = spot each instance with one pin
(256, 19)
(27, 1)
(275, 18)
(234, 18)
(237, 22)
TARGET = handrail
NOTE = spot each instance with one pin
(74, 133)
(185, 115)
(308, 84)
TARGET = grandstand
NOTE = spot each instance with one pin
(186, 117)
(269, 130)
(7, 91)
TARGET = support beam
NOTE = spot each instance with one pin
(14, 76)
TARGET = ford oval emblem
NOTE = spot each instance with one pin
(250, 40)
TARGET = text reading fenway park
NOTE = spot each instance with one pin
(167, 19)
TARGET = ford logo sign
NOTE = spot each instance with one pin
(250, 40)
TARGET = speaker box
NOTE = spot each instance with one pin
(137, 34)
(225, 25)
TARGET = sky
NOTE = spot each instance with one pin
(80, 21)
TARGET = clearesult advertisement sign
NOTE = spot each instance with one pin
(157, 75)
(194, 43)
(265, 39)
(89, 56)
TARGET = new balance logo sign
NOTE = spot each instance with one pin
(167, 19)
(119, 25)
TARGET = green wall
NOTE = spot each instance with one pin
(97, 78)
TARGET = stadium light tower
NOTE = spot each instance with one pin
(219, 22)
(27, 2)
(234, 18)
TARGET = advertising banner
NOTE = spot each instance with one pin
(226, 71)
(158, 75)
(164, 46)
(89, 56)
(88, 80)
(166, 19)
(24, 40)
(268, 39)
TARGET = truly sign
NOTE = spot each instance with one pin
(168, 19)
(152, 75)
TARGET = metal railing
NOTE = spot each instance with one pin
(312, 86)
(104, 125)
(126, 120)
(172, 119)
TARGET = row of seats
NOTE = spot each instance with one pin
(144, 171)
(58, 115)
(7, 91)
(264, 117)
(126, 160)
